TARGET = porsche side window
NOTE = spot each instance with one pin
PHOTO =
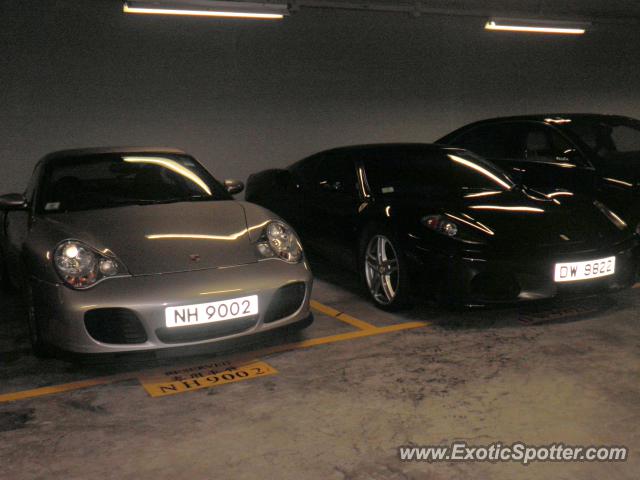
(33, 183)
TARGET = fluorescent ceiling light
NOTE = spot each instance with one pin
(536, 26)
(209, 8)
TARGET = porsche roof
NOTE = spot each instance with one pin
(81, 152)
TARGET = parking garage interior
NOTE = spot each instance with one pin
(339, 399)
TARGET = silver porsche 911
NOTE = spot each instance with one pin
(121, 249)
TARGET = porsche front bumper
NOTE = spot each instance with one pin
(128, 314)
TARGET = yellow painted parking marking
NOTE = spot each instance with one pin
(188, 379)
(332, 312)
(65, 387)
(341, 337)
(365, 330)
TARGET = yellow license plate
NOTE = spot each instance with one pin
(187, 379)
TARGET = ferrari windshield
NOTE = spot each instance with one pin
(608, 137)
(418, 173)
(114, 180)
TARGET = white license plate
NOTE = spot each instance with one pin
(569, 272)
(211, 312)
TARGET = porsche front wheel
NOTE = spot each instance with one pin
(40, 347)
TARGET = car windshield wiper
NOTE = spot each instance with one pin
(199, 198)
(148, 201)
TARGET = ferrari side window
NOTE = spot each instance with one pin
(494, 141)
(336, 173)
(545, 145)
(408, 173)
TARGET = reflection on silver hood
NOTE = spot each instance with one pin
(155, 239)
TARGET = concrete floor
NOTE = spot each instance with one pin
(553, 373)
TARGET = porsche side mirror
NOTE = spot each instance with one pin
(13, 201)
(233, 186)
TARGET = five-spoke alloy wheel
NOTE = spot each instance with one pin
(383, 270)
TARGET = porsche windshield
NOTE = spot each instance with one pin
(608, 138)
(113, 180)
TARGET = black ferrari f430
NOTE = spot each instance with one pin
(428, 219)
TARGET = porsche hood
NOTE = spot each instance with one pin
(178, 237)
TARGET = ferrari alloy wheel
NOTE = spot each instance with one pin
(384, 275)
(381, 269)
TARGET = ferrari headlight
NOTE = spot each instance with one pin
(81, 267)
(458, 227)
(613, 218)
(441, 224)
(280, 241)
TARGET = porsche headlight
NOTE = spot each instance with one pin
(613, 218)
(81, 267)
(280, 241)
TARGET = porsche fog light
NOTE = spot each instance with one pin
(280, 241)
(81, 267)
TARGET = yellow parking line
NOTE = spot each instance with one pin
(332, 312)
(341, 337)
(365, 330)
(65, 387)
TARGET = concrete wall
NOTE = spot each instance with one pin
(244, 96)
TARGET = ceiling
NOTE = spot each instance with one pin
(592, 10)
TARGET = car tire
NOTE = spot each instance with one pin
(5, 281)
(40, 347)
(383, 269)
(448, 301)
(301, 325)
(293, 332)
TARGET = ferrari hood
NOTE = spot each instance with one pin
(154, 239)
